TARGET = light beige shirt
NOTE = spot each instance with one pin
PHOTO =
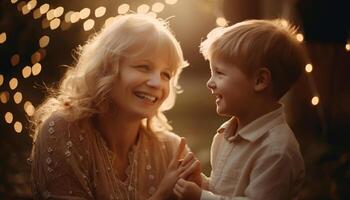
(70, 160)
(263, 161)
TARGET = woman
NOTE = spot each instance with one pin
(103, 134)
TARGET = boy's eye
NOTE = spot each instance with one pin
(219, 72)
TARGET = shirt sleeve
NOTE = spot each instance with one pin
(60, 162)
(272, 177)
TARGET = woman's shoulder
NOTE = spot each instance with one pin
(168, 137)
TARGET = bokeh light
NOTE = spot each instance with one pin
(124, 8)
(220, 21)
(26, 71)
(32, 4)
(13, 83)
(29, 108)
(1, 79)
(17, 97)
(300, 37)
(158, 7)
(308, 68)
(55, 23)
(50, 14)
(8, 117)
(36, 69)
(44, 41)
(58, 12)
(89, 24)
(74, 17)
(3, 37)
(18, 127)
(84, 13)
(44, 8)
(171, 2)
(15, 60)
(315, 100)
(4, 97)
(36, 57)
(347, 47)
(143, 9)
(100, 11)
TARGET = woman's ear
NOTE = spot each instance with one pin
(262, 79)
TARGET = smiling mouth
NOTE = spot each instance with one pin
(149, 98)
(218, 97)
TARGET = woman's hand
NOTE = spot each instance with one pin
(192, 169)
(166, 185)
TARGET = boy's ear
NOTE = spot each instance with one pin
(262, 79)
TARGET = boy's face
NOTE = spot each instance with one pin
(232, 88)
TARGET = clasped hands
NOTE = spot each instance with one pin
(183, 177)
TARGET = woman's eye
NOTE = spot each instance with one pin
(166, 75)
(143, 68)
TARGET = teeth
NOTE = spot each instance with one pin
(147, 97)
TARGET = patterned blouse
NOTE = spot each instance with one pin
(70, 160)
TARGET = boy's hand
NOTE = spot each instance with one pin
(192, 169)
(187, 190)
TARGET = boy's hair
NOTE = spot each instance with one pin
(253, 44)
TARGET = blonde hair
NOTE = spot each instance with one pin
(253, 44)
(85, 89)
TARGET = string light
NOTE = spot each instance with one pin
(308, 68)
(3, 37)
(315, 100)
(220, 21)
(8, 117)
(158, 7)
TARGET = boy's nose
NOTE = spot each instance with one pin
(211, 84)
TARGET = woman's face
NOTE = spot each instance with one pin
(142, 85)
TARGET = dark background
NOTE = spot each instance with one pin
(322, 130)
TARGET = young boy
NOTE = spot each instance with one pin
(255, 154)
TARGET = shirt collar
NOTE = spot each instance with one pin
(255, 129)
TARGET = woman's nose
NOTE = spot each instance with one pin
(154, 80)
